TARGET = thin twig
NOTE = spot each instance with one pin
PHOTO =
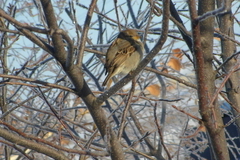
(194, 117)
(88, 143)
(64, 124)
(212, 13)
(172, 77)
(137, 142)
(228, 59)
(15, 146)
(140, 129)
(201, 128)
(164, 108)
(130, 7)
(223, 84)
(227, 37)
(117, 15)
(150, 17)
(125, 111)
(231, 121)
(160, 132)
(24, 29)
(228, 101)
(33, 81)
(155, 7)
(85, 32)
(103, 15)
(20, 104)
(53, 145)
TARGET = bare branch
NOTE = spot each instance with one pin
(125, 111)
(34, 81)
(117, 15)
(194, 117)
(160, 133)
(31, 144)
(85, 32)
(52, 145)
(227, 37)
(222, 84)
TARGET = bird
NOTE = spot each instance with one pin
(123, 55)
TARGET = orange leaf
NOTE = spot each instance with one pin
(154, 89)
(177, 50)
(175, 60)
(174, 64)
(65, 141)
(177, 53)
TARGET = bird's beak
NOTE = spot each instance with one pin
(136, 38)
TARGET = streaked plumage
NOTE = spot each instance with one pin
(124, 54)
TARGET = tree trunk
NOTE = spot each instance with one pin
(228, 49)
(202, 32)
(211, 113)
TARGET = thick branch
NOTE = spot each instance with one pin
(82, 89)
(31, 144)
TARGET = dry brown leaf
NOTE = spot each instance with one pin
(177, 53)
(175, 61)
(154, 89)
(65, 141)
(174, 64)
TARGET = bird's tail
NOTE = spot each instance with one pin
(106, 80)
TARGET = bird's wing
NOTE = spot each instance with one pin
(122, 55)
(118, 52)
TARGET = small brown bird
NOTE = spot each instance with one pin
(123, 55)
